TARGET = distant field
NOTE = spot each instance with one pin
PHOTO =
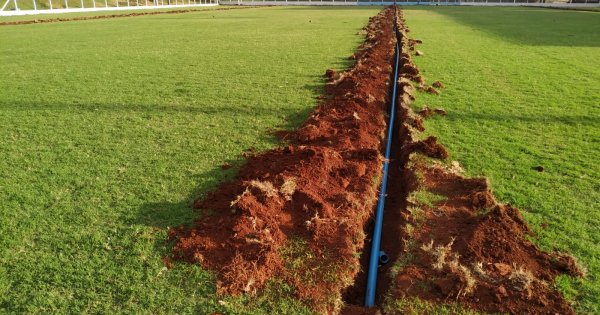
(97, 13)
(523, 90)
(109, 129)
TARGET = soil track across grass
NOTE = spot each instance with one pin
(458, 243)
(298, 213)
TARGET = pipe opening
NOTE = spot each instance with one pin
(383, 258)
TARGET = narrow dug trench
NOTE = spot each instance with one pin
(450, 240)
(297, 214)
(300, 214)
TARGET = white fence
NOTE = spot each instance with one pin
(532, 3)
(27, 7)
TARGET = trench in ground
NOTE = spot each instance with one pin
(395, 200)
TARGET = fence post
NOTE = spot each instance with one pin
(34, 6)
(51, 8)
(66, 4)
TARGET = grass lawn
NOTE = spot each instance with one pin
(523, 90)
(110, 128)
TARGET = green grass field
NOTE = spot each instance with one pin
(110, 128)
(98, 13)
(523, 90)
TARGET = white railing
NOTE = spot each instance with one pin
(27, 7)
(535, 3)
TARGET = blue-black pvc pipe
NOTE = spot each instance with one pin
(376, 243)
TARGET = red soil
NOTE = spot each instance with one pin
(438, 84)
(468, 248)
(488, 247)
(318, 192)
(428, 112)
(297, 213)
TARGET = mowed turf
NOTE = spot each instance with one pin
(110, 128)
(523, 90)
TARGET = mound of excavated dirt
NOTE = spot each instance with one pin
(299, 213)
(316, 194)
(461, 245)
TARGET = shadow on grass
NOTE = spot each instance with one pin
(170, 214)
(529, 26)
(164, 215)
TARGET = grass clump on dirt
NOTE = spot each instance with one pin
(425, 197)
(110, 128)
(521, 93)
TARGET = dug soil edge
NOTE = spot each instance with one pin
(458, 244)
(299, 213)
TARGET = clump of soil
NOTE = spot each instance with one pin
(438, 84)
(297, 213)
(476, 249)
(431, 90)
(331, 75)
(466, 247)
(426, 112)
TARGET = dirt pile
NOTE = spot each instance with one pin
(297, 213)
(459, 243)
